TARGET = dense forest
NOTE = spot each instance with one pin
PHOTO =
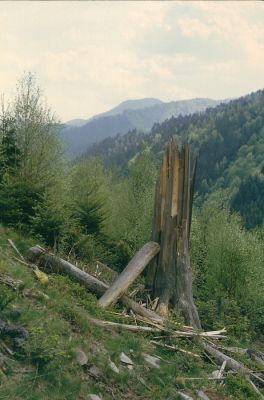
(228, 140)
(100, 207)
(129, 115)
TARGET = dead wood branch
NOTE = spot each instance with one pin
(133, 328)
(182, 379)
(176, 348)
(255, 388)
(221, 371)
(12, 244)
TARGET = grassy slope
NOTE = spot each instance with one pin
(58, 325)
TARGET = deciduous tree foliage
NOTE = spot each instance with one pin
(30, 154)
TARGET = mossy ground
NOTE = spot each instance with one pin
(55, 314)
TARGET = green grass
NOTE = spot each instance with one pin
(55, 314)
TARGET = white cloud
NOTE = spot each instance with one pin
(91, 55)
(193, 27)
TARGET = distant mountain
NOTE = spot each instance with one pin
(129, 115)
(130, 105)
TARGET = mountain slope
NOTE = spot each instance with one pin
(124, 118)
(51, 349)
(228, 138)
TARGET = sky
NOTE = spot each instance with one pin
(90, 56)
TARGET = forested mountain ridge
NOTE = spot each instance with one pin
(129, 115)
(229, 141)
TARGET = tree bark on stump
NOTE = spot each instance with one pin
(169, 276)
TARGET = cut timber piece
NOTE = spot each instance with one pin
(50, 263)
(129, 274)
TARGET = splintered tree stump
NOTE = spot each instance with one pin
(169, 276)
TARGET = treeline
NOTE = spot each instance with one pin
(84, 209)
(229, 142)
(92, 212)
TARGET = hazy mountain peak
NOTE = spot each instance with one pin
(136, 104)
(131, 114)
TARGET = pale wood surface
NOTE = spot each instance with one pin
(129, 274)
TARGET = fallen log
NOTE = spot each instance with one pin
(50, 263)
(255, 388)
(234, 365)
(230, 362)
(129, 274)
(255, 355)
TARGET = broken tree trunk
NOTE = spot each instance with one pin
(170, 276)
(129, 274)
(50, 263)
